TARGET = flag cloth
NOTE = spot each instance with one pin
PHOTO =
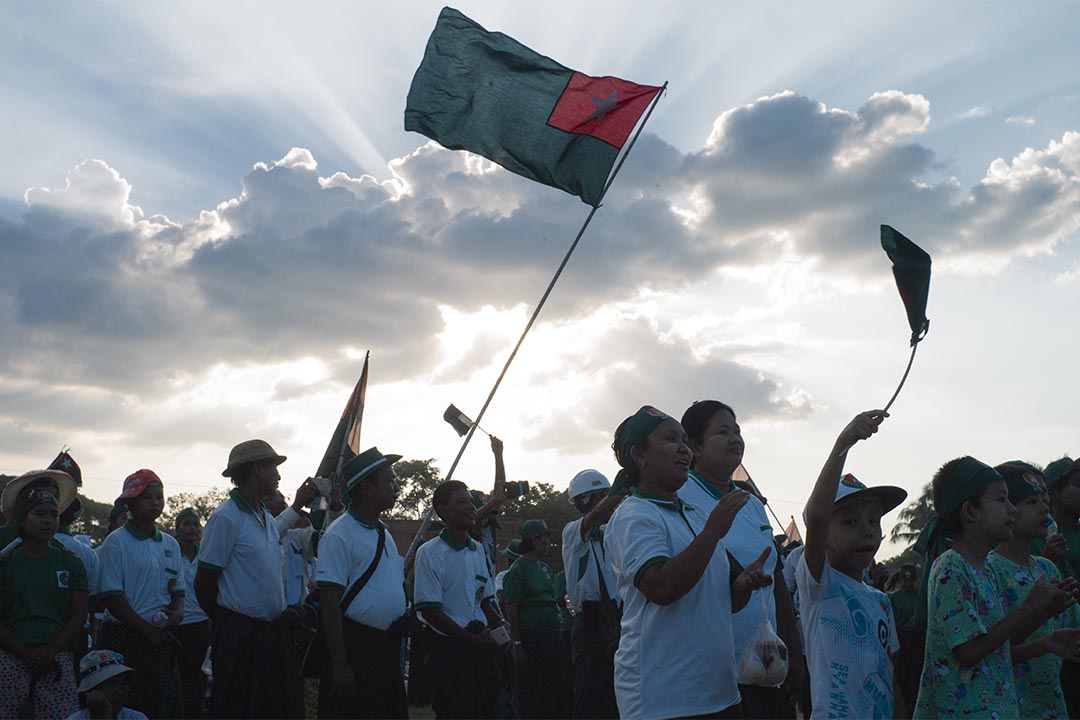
(345, 442)
(911, 268)
(487, 93)
(65, 463)
(792, 532)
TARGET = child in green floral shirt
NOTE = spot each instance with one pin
(968, 667)
(1038, 687)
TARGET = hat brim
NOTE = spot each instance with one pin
(889, 496)
(64, 482)
(92, 680)
(276, 459)
(389, 460)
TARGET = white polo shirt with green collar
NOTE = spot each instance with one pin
(675, 660)
(242, 544)
(346, 550)
(145, 569)
(750, 533)
(452, 577)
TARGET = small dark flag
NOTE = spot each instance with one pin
(911, 268)
(65, 463)
(458, 420)
(345, 442)
(487, 93)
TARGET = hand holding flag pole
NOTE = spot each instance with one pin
(911, 269)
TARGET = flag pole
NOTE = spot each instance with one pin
(430, 514)
(904, 378)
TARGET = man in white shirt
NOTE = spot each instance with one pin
(239, 585)
(361, 581)
(454, 595)
(593, 591)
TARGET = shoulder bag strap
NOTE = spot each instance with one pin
(604, 594)
(357, 586)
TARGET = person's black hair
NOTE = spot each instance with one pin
(444, 491)
(629, 468)
(525, 546)
(942, 478)
(71, 512)
(697, 417)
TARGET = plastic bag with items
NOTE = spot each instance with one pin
(765, 659)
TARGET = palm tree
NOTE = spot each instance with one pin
(913, 518)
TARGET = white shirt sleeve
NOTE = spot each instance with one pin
(175, 565)
(637, 541)
(286, 520)
(111, 566)
(427, 583)
(218, 539)
(333, 568)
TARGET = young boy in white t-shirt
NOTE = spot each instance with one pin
(849, 628)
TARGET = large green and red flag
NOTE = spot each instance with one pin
(345, 442)
(487, 93)
(911, 269)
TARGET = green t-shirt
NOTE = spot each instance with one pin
(35, 593)
(903, 607)
(1038, 689)
(1069, 563)
(529, 584)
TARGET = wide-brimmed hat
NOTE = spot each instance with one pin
(251, 451)
(136, 483)
(363, 465)
(533, 528)
(851, 488)
(64, 483)
(512, 549)
(97, 666)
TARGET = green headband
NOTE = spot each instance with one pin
(966, 482)
(1022, 479)
(37, 496)
(633, 430)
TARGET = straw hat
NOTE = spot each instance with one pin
(11, 491)
(251, 451)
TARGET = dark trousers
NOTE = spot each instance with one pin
(463, 683)
(1070, 687)
(193, 641)
(540, 681)
(155, 686)
(907, 665)
(375, 660)
(594, 671)
(767, 703)
(250, 668)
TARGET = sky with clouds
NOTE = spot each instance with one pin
(209, 212)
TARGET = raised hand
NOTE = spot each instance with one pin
(1047, 600)
(724, 513)
(861, 427)
(1055, 547)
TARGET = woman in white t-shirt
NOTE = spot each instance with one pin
(676, 655)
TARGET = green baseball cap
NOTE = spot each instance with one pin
(533, 528)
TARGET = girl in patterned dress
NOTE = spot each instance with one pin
(970, 637)
(1038, 687)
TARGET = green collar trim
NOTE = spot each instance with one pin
(714, 492)
(361, 520)
(446, 538)
(241, 502)
(140, 535)
(677, 504)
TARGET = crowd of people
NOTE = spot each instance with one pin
(675, 599)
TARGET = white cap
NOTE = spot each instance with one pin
(889, 495)
(587, 481)
(97, 666)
